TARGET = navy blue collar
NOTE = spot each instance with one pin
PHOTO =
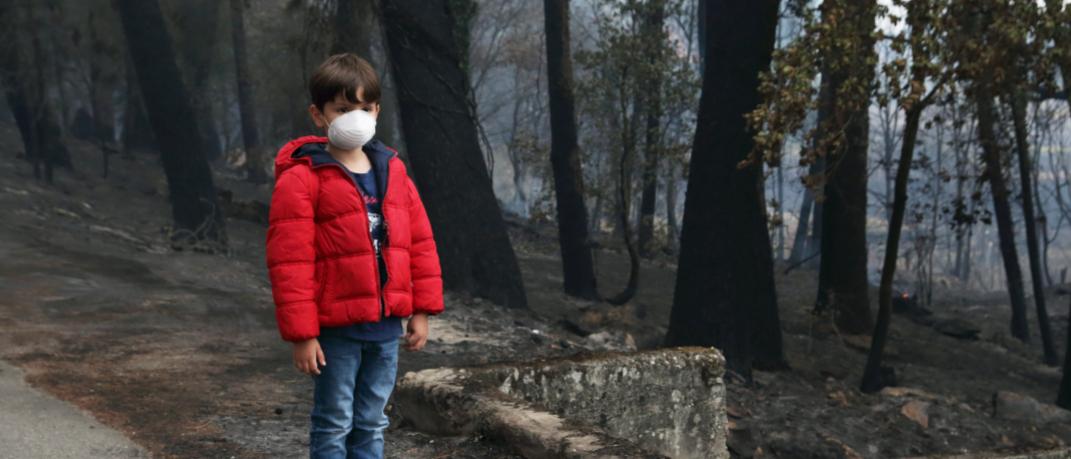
(378, 154)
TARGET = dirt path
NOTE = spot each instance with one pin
(30, 421)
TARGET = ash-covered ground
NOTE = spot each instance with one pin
(179, 350)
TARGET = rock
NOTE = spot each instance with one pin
(591, 405)
(917, 411)
(741, 442)
(907, 392)
(1018, 407)
(845, 450)
(839, 397)
(574, 328)
(612, 341)
(956, 328)
(857, 342)
(117, 233)
(736, 412)
(862, 343)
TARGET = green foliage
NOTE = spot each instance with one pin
(620, 73)
(925, 52)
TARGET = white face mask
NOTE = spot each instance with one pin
(351, 130)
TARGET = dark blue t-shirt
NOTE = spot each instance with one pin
(389, 327)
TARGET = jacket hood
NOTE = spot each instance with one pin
(312, 150)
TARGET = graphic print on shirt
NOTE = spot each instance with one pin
(375, 221)
(375, 227)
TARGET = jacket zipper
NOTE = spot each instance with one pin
(383, 253)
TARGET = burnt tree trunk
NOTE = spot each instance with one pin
(23, 80)
(357, 28)
(873, 379)
(919, 18)
(994, 173)
(16, 90)
(814, 242)
(1062, 38)
(197, 217)
(701, 32)
(652, 21)
(196, 23)
(1063, 398)
(577, 266)
(724, 294)
(629, 143)
(428, 45)
(799, 240)
(353, 28)
(671, 210)
(254, 153)
(813, 246)
(960, 203)
(805, 243)
(1018, 103)
(103, 79)
(843, 267)
(137, 131)
(17, 102)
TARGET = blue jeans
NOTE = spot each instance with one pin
(349, 396)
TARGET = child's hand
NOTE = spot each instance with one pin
(306, 356)
(417, 333)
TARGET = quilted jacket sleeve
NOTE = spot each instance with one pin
(423, 258)
(291, 255)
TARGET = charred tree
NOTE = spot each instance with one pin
(843, 286)
(807, 240)
(254, 153)
(799, 240)
(428, 45)
(16, 90)
(196, 39)
(1063, 399)
(1062, 37)
(23, 80)
(873, 379)
(103, 79)
(724, 294)
(994, 174)
(813, 246)
(354, 21)
(577, 265)
(919, 18)
(652, 20)
(137, 131)
(1022, 148)
(624, 193)
(357, 30)
(671, 210)
(197, 217)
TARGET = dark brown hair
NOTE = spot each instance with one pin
(343, 73)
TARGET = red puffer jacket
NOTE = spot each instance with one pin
(321, 263)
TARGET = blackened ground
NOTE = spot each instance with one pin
(180, 351)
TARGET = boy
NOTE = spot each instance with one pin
(350, 252)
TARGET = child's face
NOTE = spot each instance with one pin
(338, 107)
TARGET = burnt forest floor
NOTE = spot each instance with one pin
(180, 351)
